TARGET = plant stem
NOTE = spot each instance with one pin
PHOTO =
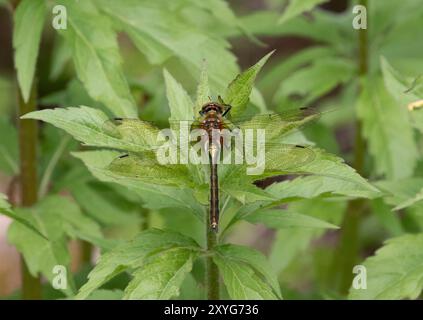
(28, 138)
(212, 272)
(86, 252)
(145, 223)
(346, 253)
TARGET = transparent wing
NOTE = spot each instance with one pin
(138, 124)
(276, 125)
(119, 126)
(275, 159)
(292, 115)
(138, 135)
(254, 121)
(146, 168)
(286, 157)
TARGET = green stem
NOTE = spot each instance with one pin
(212, 272)
(347, 251)
(145, 216)
(28, 139)
(86, 252)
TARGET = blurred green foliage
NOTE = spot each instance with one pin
(110, 61)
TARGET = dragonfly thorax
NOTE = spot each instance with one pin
(212, 112)
(212, 121)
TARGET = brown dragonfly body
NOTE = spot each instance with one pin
(213, 120)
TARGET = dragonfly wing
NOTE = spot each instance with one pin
(136, 135)
(147, 169)
(276, 125)
(285, 158)
(292, 115)
(269, 159)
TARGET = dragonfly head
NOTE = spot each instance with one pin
(212, 107)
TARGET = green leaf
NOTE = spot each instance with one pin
(40, 255)
(154, 196)
(191, 289)
(416, 199)
(388, 131)
(84, 124)
(103, 294)
(220, 10)
(291, 243)
(389, 219)
(329, 165)
(402, 193)
(162, 275)
(330, 175)
(320, 28)
(403, 89)
(28, 26)
(240, 275)
(105, 204)
(142, 21)
(253, 258)
(395, 272)
(73, 95)
(96, 57)
(245, 193)
(134, 254)
(417, 119)
(238, 92)
(93, 128)
(6, 209)
(181, 106)
(314, 186)
(406, 91)
(9, 153)
(284, 68)
(73, 222)
(325, 167)
(297, 7)
(57, 217)
(316, 80)
(203, 90)
(148, 170)
(61, 55)
(398, 85)
(285, 219)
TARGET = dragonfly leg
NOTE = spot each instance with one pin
(227, 110)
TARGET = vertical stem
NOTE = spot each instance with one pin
(28, 138)
(347, 251)
(212, 272)
(86, 252)
(145, 224)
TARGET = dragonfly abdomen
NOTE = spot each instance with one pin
(212, 122)
(214, 197)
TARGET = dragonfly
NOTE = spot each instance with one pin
(215, 116)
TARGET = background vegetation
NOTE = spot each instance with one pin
(297, 236)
